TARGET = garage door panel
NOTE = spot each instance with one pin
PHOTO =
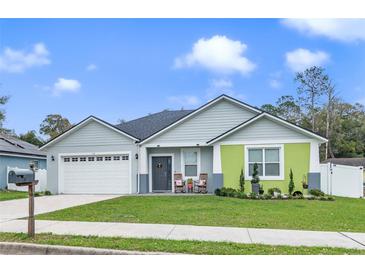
(110, 176)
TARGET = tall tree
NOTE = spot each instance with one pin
(312, 85)
(3, 101)
(285, 107)
(331, 98)
(54, 124)
(31, 137)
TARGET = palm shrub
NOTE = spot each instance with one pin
(242, 181)
(291, 182)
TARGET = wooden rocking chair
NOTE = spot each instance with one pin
(179, 184)
(202, 184)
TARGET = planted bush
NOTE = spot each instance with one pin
(316, 192)
(271, 191)
(242, 181)
(291, 182)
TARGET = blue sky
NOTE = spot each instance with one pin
(124, 68)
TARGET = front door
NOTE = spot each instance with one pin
(161, 173)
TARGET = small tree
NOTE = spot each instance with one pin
(291, 182)
(242, 181)
(255, 174)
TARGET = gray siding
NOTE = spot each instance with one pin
(206, 159)
(264, 129)
(206, 125)
(92, 137)
(20, 162)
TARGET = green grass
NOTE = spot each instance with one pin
(344, 214)
(11, 195)
(172, 246)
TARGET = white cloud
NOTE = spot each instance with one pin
(91, 67)
(345, 30)
(16, 61)
(184, 100)
(218, 54)
(63, 85)
(301, 59)
(275, 83)
(221, 83)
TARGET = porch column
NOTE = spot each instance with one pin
(217, 169)
(143, 170)
(314, 174)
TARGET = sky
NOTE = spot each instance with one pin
(126, 68)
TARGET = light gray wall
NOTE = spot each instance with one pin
(92, 137)
(264, 129)
(206, 125)
(206, 159)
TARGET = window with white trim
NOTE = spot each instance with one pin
(75, 159)
(190, 162)
(82, 159)
(66, 159)
(268, 159)
(91, 159)
(125, 157)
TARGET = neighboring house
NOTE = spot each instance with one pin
(219, 138)
(17, 153)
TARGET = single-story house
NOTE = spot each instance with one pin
(220, 138)
(17, 153)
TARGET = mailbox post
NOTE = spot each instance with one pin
(26, 177)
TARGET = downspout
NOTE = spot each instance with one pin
(138, 175)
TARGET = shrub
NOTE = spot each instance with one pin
(255, 174)
(274, 189)
(261, 190)
(316, 192)
(291, 182)
(217, 192)
(331, 198)
(241, 195)
(242, 181)
(47, 193)
(228, 191)
(253, 196)
(267, 196)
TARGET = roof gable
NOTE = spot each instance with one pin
(203, 108)
(15, 146)
(285, 126)
(83, 123)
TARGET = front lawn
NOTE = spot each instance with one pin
(344, 214)
(11, 195)
(172, 246)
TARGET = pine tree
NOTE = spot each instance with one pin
(291, 182)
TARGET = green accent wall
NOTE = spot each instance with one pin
(296, 157)
(232, 157)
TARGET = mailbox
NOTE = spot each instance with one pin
(21, 177)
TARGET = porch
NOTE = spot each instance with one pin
(162, 167)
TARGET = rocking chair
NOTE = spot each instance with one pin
(202, 184)
(179, 183)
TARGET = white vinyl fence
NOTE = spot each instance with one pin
(40, 175)
(340, 180)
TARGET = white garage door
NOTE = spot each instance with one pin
(100, 174)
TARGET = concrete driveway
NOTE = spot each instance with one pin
(15, 209)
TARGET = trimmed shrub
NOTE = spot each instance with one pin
(261, 190)
(242, 181)
(291, 182)
(316, 192)
(272, 190)
(218, 192)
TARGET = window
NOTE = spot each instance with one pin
(125, 157)
(66, 159)
(269, 160)
(75, 159)
(116, 158)
(91, 159)
(108, 158)
(99, 159)
(190, 162)
(82, 159)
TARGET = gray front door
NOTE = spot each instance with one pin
(161, 173)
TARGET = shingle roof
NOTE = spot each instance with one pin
(15, 146)
(347, 161)
(146, 126)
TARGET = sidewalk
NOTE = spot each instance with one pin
(198, 233)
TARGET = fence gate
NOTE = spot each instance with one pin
(341, 180)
